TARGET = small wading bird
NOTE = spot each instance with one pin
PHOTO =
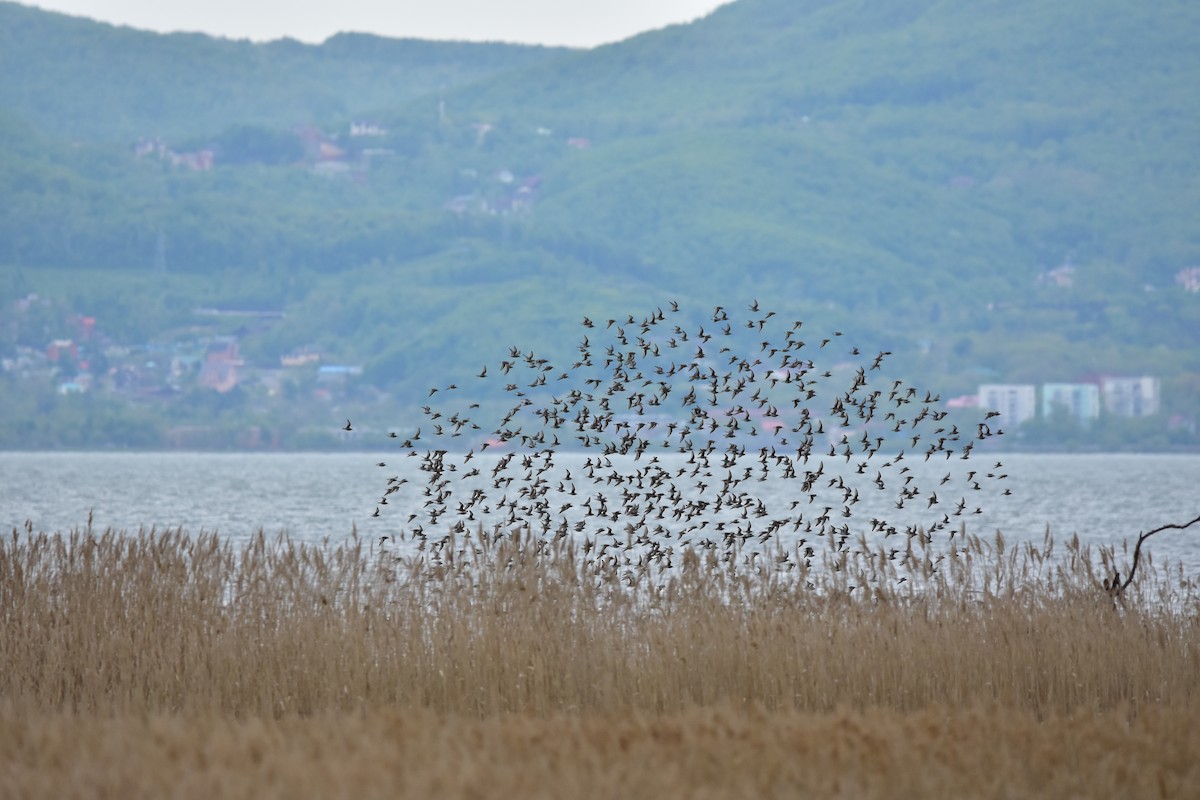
(678, 423)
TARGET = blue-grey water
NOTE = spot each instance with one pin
(1105, 499)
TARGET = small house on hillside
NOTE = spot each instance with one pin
(221, 363)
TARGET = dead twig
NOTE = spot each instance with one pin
(1116, 587)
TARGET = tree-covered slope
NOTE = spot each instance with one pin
(1072, 121)
(85, 80)
(994, 191)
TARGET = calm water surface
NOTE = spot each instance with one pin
(1106, 499)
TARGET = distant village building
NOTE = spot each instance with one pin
(221, 363)
(367, 129)
(1130, 397)
(338, 373)
(199, 161)
(86, 325)
(1189, 279)
(300, 359)
(62, 348)
(328, 151)
(184, 363)
(1080, 400)
(1062, 276)
(149, 147)
(1017, 402)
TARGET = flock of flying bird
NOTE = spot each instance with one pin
(688, 435)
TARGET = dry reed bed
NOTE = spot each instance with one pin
(993, 752)
(166, 623)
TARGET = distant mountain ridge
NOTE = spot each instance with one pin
(82, 79)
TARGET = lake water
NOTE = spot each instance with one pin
(1106, 499)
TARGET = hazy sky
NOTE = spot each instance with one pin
(570, 22)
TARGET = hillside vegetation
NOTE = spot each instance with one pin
(997, 193)
(82, 80)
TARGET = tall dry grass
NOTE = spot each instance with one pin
(158, 663)
(163, 622)
(703, 752)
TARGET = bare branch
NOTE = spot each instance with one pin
(1116, 587)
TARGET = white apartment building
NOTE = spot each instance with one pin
(1016, 402)
(1130, 397)
(1081, 400)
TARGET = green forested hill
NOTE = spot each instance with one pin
(79, 79)
(1068, 127)
(999, 191)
